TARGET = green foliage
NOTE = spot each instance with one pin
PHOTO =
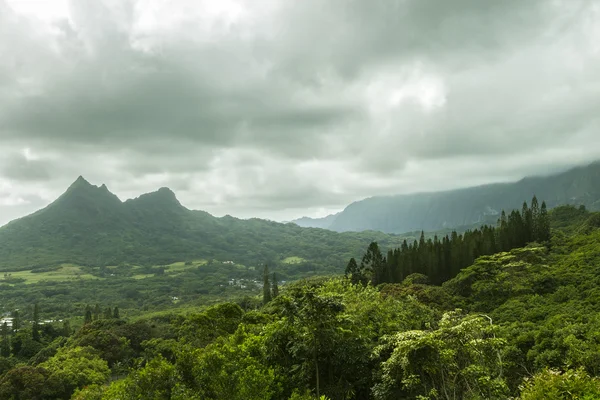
(274, 286)
(107, 338)
(232, 369)
(328, 331)
(6, 364)
(568, 385)
(29, 383)
(328, 337)
(203, 328)
(459, 360)
(4, 341)
(266, 286)
(76, 367)
(157, 380)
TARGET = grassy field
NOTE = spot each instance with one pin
(70, 272)
(182, 266)
(293, 260)
(66, 272)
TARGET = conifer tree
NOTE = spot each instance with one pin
(97, 312)
(544, 224)
(88, 315)
(108, 313)
(442, 259)
(374, 262)
(535, 216)
(266, 286)
(355, 273)
(35, 328)
(16, 325)
(275, 287)
(116, 313)
(527, 216)
(66, 328)
(5, 344)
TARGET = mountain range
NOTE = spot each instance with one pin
(463, 207)
(89, 225)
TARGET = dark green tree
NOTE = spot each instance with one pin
(66, 328)
(266, 286)
(527, 216)
(5, 344)
(16, 321)
(535, 216)
(355, 273)
(97, 312)
(116, 313)
(275, 287)
(88, 315)
(544, 224)
(374, 263)
(108, 313)
(35, 327)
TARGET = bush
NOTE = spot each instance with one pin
(552, 384)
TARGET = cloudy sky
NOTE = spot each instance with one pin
(279, 109)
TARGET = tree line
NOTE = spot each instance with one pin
(442, 259)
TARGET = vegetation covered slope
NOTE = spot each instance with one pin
(466, 207)
(90, 226)
(520, 324)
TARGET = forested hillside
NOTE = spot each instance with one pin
(515, 324)
(90, 226)
(465, 207)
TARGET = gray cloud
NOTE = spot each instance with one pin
(283, 108)
(18, 167)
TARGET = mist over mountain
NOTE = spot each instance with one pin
(464, 207)
(324, 222)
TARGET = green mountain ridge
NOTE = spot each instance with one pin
(464, 207)
(89, 225)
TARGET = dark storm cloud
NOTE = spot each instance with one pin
(294, 107)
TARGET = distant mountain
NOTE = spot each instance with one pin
(88, 225)
(324, 222)
(467, 207)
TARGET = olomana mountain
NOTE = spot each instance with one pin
(89, 225)
(464, 207)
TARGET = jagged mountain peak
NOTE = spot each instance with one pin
(163, 197)
(80, 182)
(84, 191)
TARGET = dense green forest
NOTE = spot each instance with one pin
(442, 259)
(521, 324)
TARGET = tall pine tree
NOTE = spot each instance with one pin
(355, 273)
(66, 328)
(535, 216)
(97, 312)
(16, 323)
(266, 286)
(442, 259)
(544, 224)
(35, 327)
(274, 286)
(5, 343)
(374, 262)
(88, 315)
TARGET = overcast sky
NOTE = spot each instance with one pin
(279, 109)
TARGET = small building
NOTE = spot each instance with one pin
(7, 320)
